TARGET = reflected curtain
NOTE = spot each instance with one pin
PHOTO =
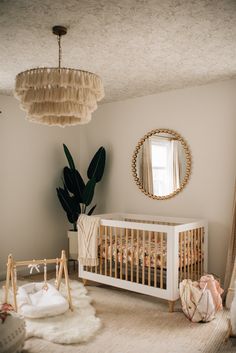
(176, 166)
(230, 273)
(147, 175)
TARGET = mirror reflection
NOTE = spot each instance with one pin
(162, 163)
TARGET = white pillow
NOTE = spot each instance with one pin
(36, 302)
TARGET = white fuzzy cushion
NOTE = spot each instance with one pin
(36, 302)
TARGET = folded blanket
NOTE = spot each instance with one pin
(88, 227)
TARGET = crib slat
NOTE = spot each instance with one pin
(149, 258)
(132, 255)
(181, 255)
(96, 267)
(121, 254)
(161, 271)
(194, 255)
(115, 252)
(184, 235)
(111, 250)
(189, 258)
(105, 250)
(126, 250)
(137, 257)
(197, 250)
(155, 260)
(200, 247)
(188, 253)
(202, 253)
(198, 253)
(200, 231)
(143, 264)
(191, 253)
(101, 248)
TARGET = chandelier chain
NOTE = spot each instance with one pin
(59, 51)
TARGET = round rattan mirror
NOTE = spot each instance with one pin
(161, 164)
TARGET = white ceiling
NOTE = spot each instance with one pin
(138, 47)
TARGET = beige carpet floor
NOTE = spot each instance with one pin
(228, 347)
(134, 323)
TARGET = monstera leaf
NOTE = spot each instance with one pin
(74, 182)
(70, 205)
(64, 199)
(69, 157)
(89, 191)
(90, 212)
(97, 165)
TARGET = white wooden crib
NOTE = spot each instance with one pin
(149, 254)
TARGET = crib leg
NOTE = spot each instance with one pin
(85, 281)
(171, 304)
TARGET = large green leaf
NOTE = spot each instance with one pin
(69, 204)
(69, 157)
(97, 165)
(75, 204)
(91, 210)
(64, 199)
(89, 191)
(74, 182)
(73, 217)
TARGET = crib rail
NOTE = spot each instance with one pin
(191, 254)
(133, 255)
(149, 256)
(140, 256)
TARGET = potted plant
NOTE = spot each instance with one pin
(76, 196)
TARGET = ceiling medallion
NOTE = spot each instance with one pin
(58, 96)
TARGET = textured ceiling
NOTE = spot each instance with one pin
(138, 47)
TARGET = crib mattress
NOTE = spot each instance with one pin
(153, 255)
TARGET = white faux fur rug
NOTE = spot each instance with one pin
(72, 327)
(135, 323)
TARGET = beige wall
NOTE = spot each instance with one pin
(205, 117)
(32, 223)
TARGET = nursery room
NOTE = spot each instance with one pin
(118, 189)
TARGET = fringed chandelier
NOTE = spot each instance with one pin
(58, 96)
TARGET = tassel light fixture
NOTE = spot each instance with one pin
(58, 96)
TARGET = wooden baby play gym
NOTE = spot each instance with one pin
(11, 277)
